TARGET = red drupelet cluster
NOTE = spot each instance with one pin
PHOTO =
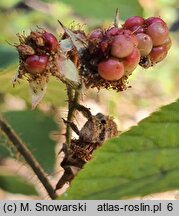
(105, 57)
(119, 49)
(35, 52)
(153, 38)
(114, 53)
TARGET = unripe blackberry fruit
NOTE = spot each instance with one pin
(112, 32)
(96, 35)
(129, 35)
(36, 64)
(137, 29)
(104, 46)
(151, 20)
(111, 69)
(144, 44)
(131, 61)
(134, 40)
(158, 54)
(122, 46)
(158, 32)
(133, 21)
(51, 41)
(168, 43)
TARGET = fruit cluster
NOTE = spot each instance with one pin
(105, 57)
(36, 52)
(113, 54)
(153, 38)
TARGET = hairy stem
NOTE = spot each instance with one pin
(25, 152)
(70, 93)
(73, 99)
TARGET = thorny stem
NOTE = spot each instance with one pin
(25, 152)
(73, 105)
(85, 111)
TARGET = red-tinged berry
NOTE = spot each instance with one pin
(144, 44)
(129, 35)
(104, 46)
(36, 64)
(158, 32)
(131, 61)
(151, 20)
(51, 41)
(134, 40)
(133, 21)
(158, 54)
(125, 32)
(137, 29)
(168, 43)
(96, 35)
(122, 46)
(111, 69)
(112, 32)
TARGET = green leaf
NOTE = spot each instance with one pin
(34, 128)
(15, 184)
(141, 161)
(105, 9)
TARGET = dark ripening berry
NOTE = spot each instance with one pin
(129, 35)
(158, 54)
(134, 40)
(111, 69)
(112, 32)
(151, 20)
(137, 29)
(158, 32)
(144, 44)
(96, 35)
(36, 64)
(104, 46)
(168, 43)
(122, 46)
(133, 21)
(51, 41)
(131, 61)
